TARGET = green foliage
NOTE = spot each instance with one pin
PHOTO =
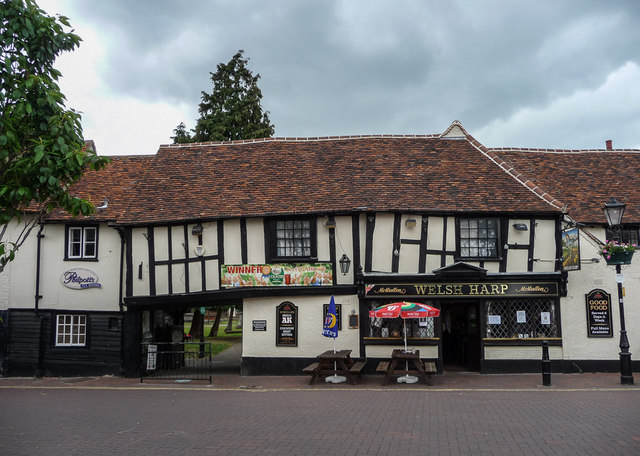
(182, 136)
(41, 144)
(232, 111)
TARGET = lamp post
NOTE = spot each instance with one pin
(613, 211)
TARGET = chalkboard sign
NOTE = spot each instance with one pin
(599, 314)
(259, 325)
(287, 325)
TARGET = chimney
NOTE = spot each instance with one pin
(609, 144)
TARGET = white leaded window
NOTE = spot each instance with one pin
(479, 238)
(82, 242)
(292, 239)
(71, 330)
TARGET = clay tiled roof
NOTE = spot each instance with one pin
(113, 185)
(582, 179)
(278, 176)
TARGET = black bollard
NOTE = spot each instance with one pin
(546, 364)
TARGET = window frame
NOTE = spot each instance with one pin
(630, 235)
(520, 332)
(380, 330)
(498, 239)
(81, 323)
(83, 243)
(272, 241)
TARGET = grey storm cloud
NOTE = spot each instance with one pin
(360, 67)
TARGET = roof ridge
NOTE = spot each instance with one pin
(519, 177)
(560, 151)
(297, 139)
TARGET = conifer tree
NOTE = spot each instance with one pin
(232, 110)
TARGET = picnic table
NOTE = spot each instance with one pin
(335, 363)
(406, 363)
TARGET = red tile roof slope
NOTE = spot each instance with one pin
(116, 183)
(291, 176)
(583, 179)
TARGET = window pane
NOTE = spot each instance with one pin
(478, 238)
(293, 238)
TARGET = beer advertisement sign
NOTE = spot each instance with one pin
(276, 275)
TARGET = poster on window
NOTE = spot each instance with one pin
(571, 249)
(276, 275)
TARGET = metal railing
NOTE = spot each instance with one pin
(179, 361)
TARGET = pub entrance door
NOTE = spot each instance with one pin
(461, 336)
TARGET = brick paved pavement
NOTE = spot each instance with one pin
(587, 414)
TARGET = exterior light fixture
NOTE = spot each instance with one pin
(196, 230)
(330, 223)
(520, 226)
(613, 211)
(410, 222)
(345, 262)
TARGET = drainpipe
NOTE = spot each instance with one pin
(123, 242)
(38, 253)
(38, 297)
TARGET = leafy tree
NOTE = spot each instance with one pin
(42, 150)
(232, 111)
(182, 136)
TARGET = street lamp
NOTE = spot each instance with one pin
(613, 211)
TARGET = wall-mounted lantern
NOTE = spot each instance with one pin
(345, 263)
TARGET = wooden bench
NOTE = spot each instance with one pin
(430, 367)
(357, 367)
(311, 368)
(383, 366)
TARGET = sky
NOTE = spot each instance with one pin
(548, 74)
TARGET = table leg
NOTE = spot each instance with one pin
(425, 376)
(316, 374)
(347, 374)
(392, 368)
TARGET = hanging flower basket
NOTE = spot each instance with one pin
(619, 258)
(615, 252)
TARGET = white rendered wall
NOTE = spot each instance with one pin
(521, 352)
(311, 342)
(255, 241)
(21, 273)
(385, 351)
(382, 243)
(409, 253)
(574, 315)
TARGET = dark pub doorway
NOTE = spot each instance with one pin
(461, 336)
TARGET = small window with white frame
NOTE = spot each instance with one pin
(82, 243)
(71, 330)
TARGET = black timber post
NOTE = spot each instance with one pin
(546, 364)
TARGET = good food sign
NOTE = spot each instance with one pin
(80, 279)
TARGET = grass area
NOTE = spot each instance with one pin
(219, 343)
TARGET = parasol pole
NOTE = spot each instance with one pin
(406, 361)
(404, 320)
(335, 363)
